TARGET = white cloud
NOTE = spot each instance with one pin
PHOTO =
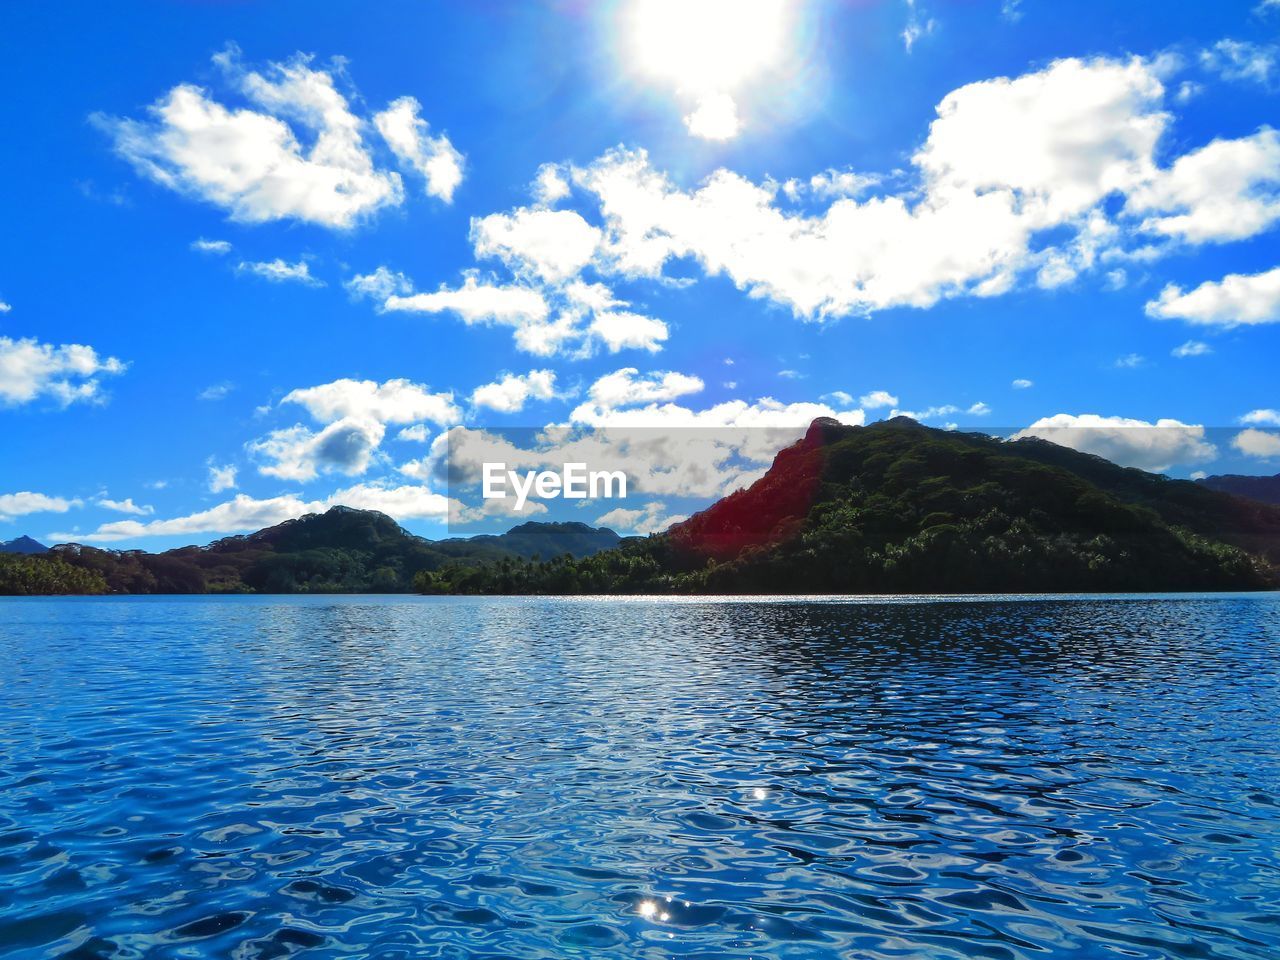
(1242, 60)
(1070, 135)
(1075, 186)
(1187, 91)
(379, 285)
(1227, 190)
(918, 25)
(416, 434)
(628, 387)
(433, 157)
(1057, 271)
(251, 162)
(25, 502)
(765, 412)
(125, 506)
(978, 409)
(478, 302)
(221, 478)
(1131, 443)
(278, 271)
(610, 323)
(1075, 133)
(553, 245)
(651, 518)
(218, 247)
(394, 401)
(66, 373)
(549, 186)
(626, 399)
(876, 399)
(1130, 361)
(714, 118)
(241, 514)
(1257, 443)
(622, 330)
(1192, 348)
(4, 307)
(1237, 299)
(406, 502)
(298, 453)
(217, 391)
(1023, 384)
(588, 314)
(834, 183)
(1265, 417)
(354, 415)
(510, 394)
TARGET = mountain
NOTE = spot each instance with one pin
(896, 507)
(23, 544)
(531, 541)
(340, 551)
(1262, 489)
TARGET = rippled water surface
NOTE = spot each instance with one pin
(526, 778)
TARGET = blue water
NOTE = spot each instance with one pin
(517, 778)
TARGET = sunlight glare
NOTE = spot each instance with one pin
(718, 57)
(707, 46)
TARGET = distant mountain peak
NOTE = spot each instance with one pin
(1261, 488)
(23, 544)
(552, 526)
(901, 421)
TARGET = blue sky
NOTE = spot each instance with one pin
(1002, 216)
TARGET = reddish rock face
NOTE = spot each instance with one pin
(768, 512)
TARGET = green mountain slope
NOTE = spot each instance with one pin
(29, 574)
(340, 551)
(901, 508)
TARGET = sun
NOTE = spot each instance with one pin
(707, 50)
(707, 46)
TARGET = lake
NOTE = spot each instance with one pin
(552, 778)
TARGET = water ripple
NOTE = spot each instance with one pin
(558, 778)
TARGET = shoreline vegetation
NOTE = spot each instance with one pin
(890, 508)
